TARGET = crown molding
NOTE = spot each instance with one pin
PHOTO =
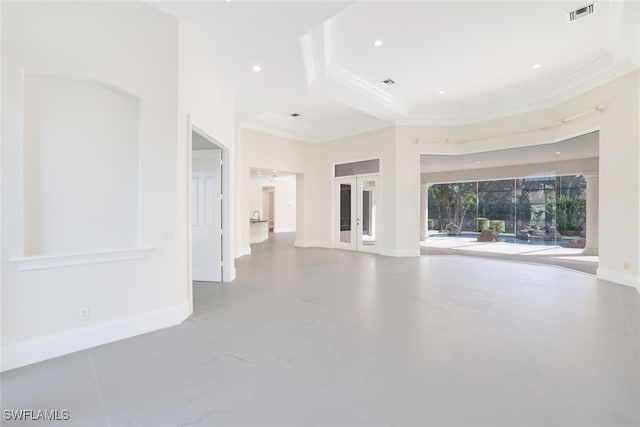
(366, 89)
(499, 110)
(603, 78)
(532, 100)
(326, 77)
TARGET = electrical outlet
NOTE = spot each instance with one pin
(626, 266)
(84, 313)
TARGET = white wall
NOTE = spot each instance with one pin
(284, 201)
(207, 102)
(133, 48)
(379, 144)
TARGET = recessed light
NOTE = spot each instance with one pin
(477, 162)
(294, 114)
(536, 66)
(275, 171)
(558, 152)
(256, 68)
(441, 92)
(377, 43)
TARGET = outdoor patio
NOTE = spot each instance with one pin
(555, 255)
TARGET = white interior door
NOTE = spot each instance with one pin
(206, 215)
(356, 213)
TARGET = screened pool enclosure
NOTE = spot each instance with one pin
(538, 210)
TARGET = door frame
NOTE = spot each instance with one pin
(380, 199)
(228, 271)
(356, 214)
(359, 234)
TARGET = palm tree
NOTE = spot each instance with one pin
(455, 200)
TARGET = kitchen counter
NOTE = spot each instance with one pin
(258, 230)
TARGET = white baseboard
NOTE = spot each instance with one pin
(312, 244)
(243, 251)
(21, 353)
(400, 253)
(284, 230)
(626, 279)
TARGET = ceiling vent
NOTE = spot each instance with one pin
(388, 82)
(582, 12)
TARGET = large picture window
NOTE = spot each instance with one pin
(539, 210)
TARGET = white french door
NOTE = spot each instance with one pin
(206, 215)
(356, 214)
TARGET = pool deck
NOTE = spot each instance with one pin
(555, 255)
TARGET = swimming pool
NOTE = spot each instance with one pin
(508, 238)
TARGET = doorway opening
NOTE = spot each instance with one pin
(273, 203)
(268, 203)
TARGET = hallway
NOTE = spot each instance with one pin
(317, 337)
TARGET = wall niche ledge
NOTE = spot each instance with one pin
(41, 262)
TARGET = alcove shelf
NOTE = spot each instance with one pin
(40, 262)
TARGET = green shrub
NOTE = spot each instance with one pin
(482, 224)
(570, 214)
(498, 226)
(431, 224)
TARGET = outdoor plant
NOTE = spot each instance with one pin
(482, 224)
(453, 201)
(497, 225)
(431, 224)
(570, 215)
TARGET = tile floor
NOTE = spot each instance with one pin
(316, 337)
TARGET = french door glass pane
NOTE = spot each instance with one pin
(345, 213)
(368, 213)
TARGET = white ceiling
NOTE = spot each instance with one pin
(318, 59)
(581, 147)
